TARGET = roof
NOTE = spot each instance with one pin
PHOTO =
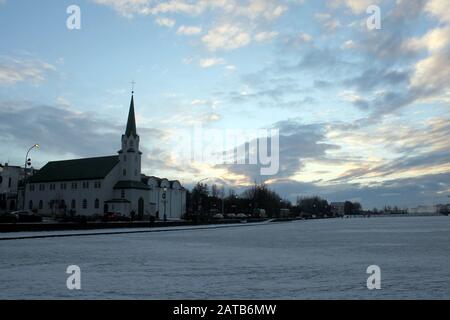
(131, 123)
(146, 178)
(130, 184)
(77, 169)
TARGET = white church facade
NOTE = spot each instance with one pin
(94, 186)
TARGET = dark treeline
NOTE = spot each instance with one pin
(257, 201)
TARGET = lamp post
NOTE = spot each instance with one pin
(36, 145)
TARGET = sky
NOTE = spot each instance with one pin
(362, 114)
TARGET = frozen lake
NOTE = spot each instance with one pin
(295, 260)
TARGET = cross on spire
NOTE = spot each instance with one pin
(132, 86)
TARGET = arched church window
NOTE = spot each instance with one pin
(124, 172)
(30, 204)
(131, 143)
(72, 205)
(97, 203)
(41, 204)
(84, 204)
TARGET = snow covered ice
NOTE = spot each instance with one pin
(293, 260)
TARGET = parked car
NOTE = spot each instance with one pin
(241, 216)
(9, 218)
(27, 216)
(113, 216)
(231, 215)
(218, 216)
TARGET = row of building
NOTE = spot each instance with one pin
(94, 186)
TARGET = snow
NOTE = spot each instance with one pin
(292, 260)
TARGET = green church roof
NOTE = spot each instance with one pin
(78, 169)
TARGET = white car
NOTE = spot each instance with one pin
(241, 216)
(218, 216)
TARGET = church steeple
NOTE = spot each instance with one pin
(129, 155)
(131, 123)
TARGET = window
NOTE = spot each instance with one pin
(31, 187)
(131, 143)
(97, 185)
(30, 205)
(97, 204)
(122, 194)
(86, 185)
(84, 204)
(41, 204)
(52, 186)
(41, 187)
(135, 172)
(73, 204)
(74, 185)
(124, 172)
(125, 157)
(9, 183)
(63, 186)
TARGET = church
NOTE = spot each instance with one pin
(108, 184)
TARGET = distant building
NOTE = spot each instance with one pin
(93, 186)
(424, 209)
(337, 208)
(10, 177)
(443, 208)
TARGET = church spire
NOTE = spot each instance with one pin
(131, 123)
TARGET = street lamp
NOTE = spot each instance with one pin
(26, 157)
(27, 162)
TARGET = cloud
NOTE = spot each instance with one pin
(297, 143)
(348, 45)
(329, 22)
(165, 22)
(62, 131)
(226, 37)
(406, 192)
(189, 30)
(14, 70)
(439, 9)
(126, 8)
(57, 129)
(238, 20)
(210, 62)
(356, 6)
(265, 36)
